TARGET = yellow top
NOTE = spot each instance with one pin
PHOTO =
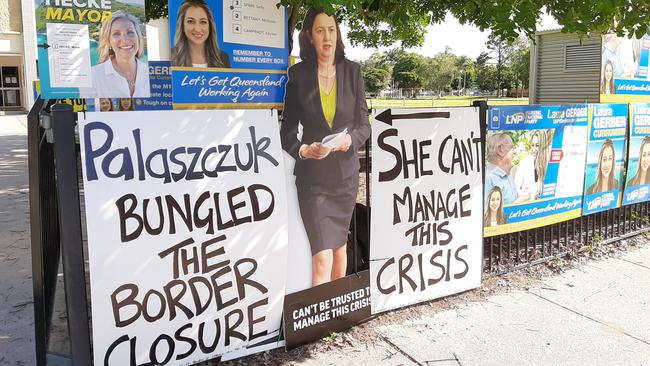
(328, 101)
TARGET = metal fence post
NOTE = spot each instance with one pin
(37, 174)
(483, 110)
(71, 241)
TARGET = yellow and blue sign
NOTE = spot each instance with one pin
(625, 65)
(235, 55)
(606, 156)
(534, 166)
(637, 186)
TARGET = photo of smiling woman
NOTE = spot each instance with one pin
(494, 214)
(126, 104)
(120, 72)
(106, 105)
(195, 39)
(642, 175)
(325, 94)
(605, 180)
(607, 85)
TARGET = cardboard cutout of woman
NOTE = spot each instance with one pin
(325, 94)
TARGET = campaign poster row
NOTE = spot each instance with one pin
(202, 239)
(625, 72)
(547, 164)
(225, 54)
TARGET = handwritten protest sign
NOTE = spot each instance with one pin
(426, 237)
(187, 235)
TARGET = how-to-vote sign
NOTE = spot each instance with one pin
(187, 233)
(427, 196)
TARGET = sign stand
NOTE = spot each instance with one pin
(56, 231)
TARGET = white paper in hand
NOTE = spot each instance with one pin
(335, 139)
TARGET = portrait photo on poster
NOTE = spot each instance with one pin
(92, 50)
(195, 42)
(325, 94)
(122, 70)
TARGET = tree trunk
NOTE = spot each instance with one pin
(294, 11)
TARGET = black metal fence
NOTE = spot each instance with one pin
(55, 215)
(509, 252)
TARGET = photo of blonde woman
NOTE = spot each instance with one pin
(195, 39)
(531, 170)
(121, 71)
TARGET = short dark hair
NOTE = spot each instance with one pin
(307, 51)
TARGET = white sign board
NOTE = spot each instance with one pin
(69, 55)
(426, 220)
(254, 22)
(187, 233)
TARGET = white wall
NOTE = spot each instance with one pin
(29, 52)
(158, 45)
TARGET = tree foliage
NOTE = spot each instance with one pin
(407, 71)
(376, 79)
(376, 23)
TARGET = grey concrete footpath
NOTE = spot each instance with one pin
(16, 304)
(594, 315)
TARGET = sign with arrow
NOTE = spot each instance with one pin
(427, 198)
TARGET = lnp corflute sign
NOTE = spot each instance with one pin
(426, 197)
(187, 233)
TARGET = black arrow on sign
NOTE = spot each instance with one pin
(44, 45)
(387, 116)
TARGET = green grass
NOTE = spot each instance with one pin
(444, 102)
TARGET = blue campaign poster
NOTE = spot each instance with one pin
(91, 49)
(228, 53)
(606, 152)
(637, 185)
(625, 63)
(161, 93)
(534, 166)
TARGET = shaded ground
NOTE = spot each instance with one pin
(16, 305)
